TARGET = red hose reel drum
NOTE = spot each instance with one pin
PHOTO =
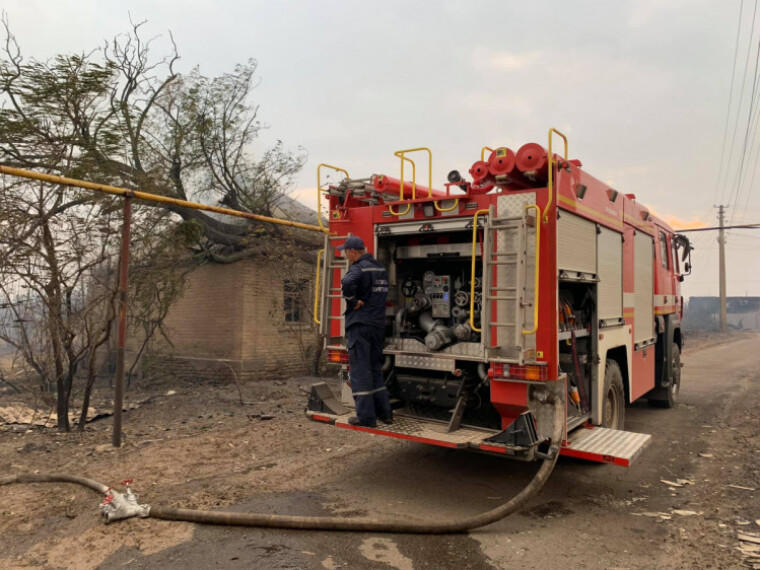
(501, 161)
(532, 157)
(482, 181)
(479, 171)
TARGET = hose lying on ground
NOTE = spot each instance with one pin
(329, 523)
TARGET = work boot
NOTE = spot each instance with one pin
(354, 421)
(387, 421)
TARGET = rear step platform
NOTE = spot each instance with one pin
(593, 444)
(423, 431)
(605, 445)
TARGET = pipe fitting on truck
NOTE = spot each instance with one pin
(399, 320)
(459, 312)
(463, 331)
(438, 335)
(420, 302)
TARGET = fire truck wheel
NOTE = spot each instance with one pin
(668, 397)
(613, 406)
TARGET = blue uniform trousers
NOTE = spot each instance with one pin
(365, 358)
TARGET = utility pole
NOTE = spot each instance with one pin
(722, 271)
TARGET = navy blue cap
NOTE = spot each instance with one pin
(352, 242)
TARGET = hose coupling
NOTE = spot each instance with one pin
(117, 506)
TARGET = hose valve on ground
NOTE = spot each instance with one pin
(117, 506)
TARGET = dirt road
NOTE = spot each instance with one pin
(199, 448)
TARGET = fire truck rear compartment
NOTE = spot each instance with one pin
(430, 288)
(441, 396)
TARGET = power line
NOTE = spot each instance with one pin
(743, 226)
(738, 180)
(754, 165)
(741, 93)
(730, 100)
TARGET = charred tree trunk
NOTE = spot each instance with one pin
(54, 302)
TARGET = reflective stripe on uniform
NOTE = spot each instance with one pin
(370, 392)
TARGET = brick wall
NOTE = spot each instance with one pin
(231, 316)
(207, 320)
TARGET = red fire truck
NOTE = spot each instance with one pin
(530, 283)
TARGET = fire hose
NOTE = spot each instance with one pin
(117, 506)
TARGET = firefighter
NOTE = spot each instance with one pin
(365, 288)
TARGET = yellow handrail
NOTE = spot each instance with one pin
(472, 277)
(401, 154)
(401, 184)
(319, 190)
(316, 287)
(551, 171)
(483, 153)
(435, 203)
(535, 287)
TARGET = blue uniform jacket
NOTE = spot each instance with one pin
(366, 280)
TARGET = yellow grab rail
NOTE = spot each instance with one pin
(316, 287)
(483, 153)
(435, 203)
(401, 154)
(319, 190)
(472, 276)
(401, 184)
(535, 286)
(551, 171)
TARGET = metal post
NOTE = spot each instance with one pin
(118, 399)
(722, 270)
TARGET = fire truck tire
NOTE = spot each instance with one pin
(613, 405)
(668, 397)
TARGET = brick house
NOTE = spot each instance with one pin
(253, 317)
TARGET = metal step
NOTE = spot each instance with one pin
(605, 445)
(423, 431)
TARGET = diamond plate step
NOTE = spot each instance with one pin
(606, 445)
(422, 431)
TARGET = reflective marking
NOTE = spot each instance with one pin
(369, 393)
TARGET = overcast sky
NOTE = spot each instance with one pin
(641, 88)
